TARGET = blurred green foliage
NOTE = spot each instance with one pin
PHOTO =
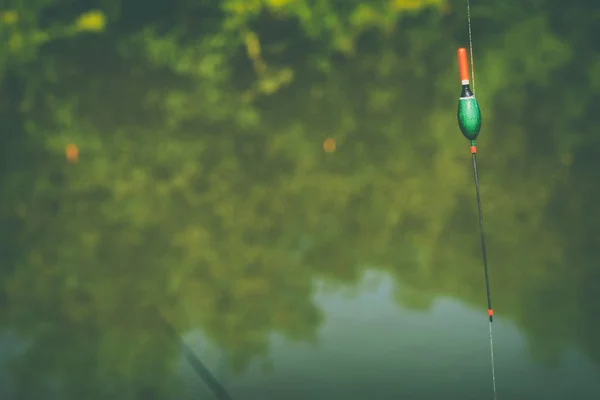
(202, 193)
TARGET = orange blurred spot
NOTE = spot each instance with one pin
(72, 153)
(445, 8)
(329, 145)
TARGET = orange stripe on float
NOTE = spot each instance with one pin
(463, 64)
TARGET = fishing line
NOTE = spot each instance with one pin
(470, 43)
(486, 270)
(215, 387)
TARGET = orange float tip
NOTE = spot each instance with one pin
(463, 66)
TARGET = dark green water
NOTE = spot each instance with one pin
(203, 201)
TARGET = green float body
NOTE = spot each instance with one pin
(469, 116)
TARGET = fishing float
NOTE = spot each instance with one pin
(469, 122)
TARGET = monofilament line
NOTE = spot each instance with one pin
(493, 364)
(486, 271)
(471, 45)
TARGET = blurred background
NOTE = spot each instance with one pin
(283, 183)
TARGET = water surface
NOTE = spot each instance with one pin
(293, 197)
